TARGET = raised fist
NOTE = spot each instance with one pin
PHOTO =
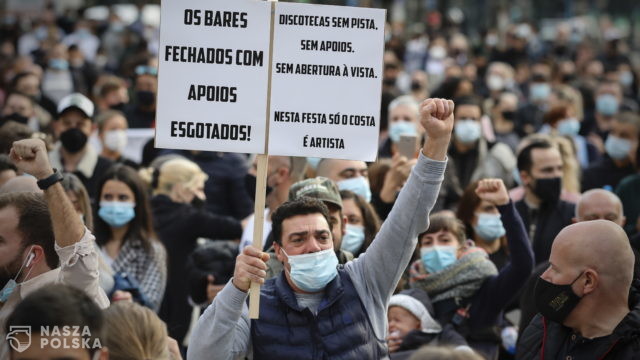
(30, 156)
(493, 191)
(436, 116)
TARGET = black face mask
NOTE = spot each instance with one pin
(555, 302)
(73, 140)
(509, 115)
(145, 98)
(548, 190)
(568, 78)
(389, 82)
(415, 86)
(197, 202)
(250, 184)
(15, 117)
(119, 106)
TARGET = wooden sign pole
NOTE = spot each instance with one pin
(262, 161)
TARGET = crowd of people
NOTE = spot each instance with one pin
(500, 221)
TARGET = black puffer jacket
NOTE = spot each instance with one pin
(560, 342)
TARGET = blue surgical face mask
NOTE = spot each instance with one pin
(312, 272)
(489, 227)
(436, 258)
(467, 130)
(354, 238)
(313, 162)
(400, 128)
(11, 285)
(626, 78)
(59, 64)
(617, 148)
(607, 104)
(569, 127)
(539, 91)
(117, 213)
(359, 185)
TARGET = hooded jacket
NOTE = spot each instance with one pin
(547, 340)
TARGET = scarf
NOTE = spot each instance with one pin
(459, 280)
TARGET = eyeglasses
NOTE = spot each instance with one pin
(146, 70)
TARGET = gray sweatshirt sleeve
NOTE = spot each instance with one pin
(376, 272)
(223, 331)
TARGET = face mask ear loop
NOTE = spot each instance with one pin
(23, 264)
(576, 279)
(27, 277)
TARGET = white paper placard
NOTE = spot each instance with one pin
(326, 81)
(212, 78)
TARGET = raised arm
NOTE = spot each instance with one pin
(499, 290)
(31, 157)
(377, 272)
(74, 244)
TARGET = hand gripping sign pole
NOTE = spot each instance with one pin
(262, 161)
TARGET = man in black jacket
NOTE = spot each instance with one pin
(541, 209)
(583, 298)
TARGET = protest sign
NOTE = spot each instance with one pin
(213, 74)
(326, 81)
(227, 67)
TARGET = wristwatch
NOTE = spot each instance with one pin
(45, 183)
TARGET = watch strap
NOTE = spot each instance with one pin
(45, 183)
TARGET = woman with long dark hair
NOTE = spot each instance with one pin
(124, 232)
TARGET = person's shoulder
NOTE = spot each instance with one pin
(532, 335)
(566, 207)
(103, 161)
(629, 182)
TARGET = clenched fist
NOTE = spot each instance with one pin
(436, 116)
(30, 156)
(493, 191)
(250, 266)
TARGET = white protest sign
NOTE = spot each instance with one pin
(326, 81)
(213, 75)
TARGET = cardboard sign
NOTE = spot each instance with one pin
(213, 72)
(326, 81)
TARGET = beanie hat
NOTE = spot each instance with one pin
(417, 309)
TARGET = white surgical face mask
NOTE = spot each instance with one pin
(115, 140)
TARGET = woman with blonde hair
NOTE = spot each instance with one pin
(136, 332)
(180, 218)
(79, 197)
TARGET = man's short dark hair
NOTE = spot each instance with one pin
(467, 100)
(525, 163)
(629, 117)
(10, 132)
(60, 305)
(34, 222)
(300, 206)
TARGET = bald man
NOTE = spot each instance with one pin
(583, 298)
(600, 204)
(347, 174)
